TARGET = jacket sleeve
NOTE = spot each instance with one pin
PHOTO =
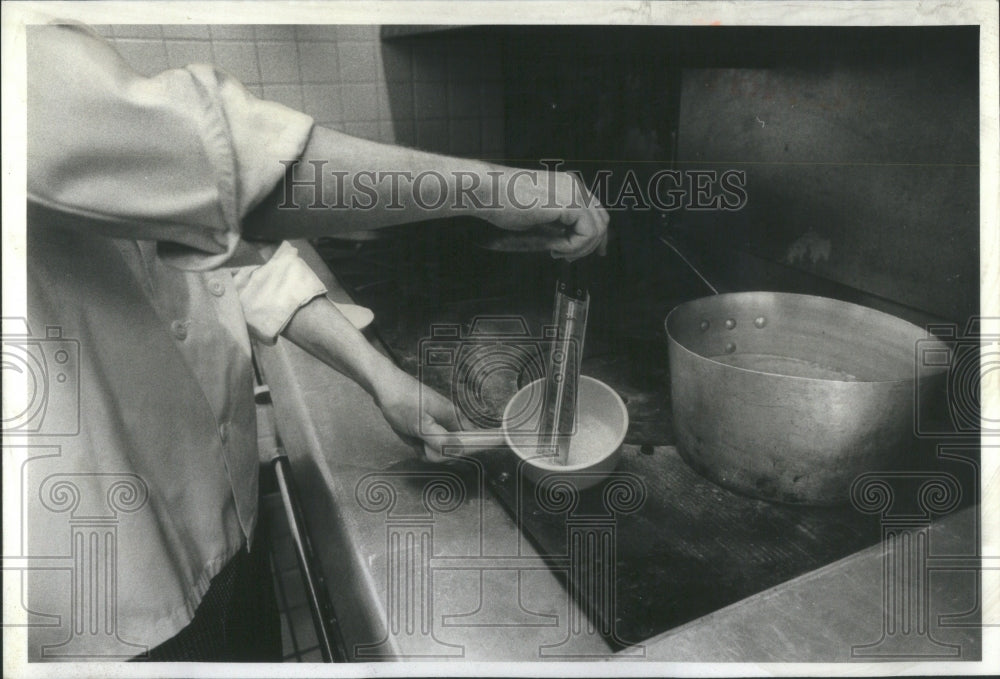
(179, 158)
(271, 293)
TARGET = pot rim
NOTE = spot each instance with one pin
(931, 370)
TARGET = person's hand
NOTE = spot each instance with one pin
(416, 412)
(532, 198)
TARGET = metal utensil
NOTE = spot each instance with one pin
(598, 404)
(458, 443)
(569, 320)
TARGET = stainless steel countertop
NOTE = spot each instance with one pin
(490, 596)
(422, 562)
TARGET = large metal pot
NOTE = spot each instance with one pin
(790, 397)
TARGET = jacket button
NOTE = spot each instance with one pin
(180, 329)
(216, 287)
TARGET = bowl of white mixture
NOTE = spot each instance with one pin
(596, 443)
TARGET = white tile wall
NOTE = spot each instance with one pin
(238, 58)
(279, 62)
(183, 52)
(443, 95)
(319, 61)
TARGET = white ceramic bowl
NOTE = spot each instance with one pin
(602, 421)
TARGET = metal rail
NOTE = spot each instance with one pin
(328, 633)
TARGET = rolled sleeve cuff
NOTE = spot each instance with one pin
(271, 293)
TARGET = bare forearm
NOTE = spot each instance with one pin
(411, 410)
(323, 331)
(343, 183)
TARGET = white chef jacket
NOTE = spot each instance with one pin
(136, 188)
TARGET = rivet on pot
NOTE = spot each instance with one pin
(730, 347)
(704, 325)
(760, 321)
(730, 323)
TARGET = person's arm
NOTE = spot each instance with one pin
(413, 410)
(342, 183)
(281, 295)
(182, 158)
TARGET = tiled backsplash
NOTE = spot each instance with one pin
(443, 94)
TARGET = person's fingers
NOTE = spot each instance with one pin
(442, 410)
(569, 246)
(431, 432)
(585, 222)
(435, 438)
(590, 202)
(566, 249)
(431, 455)
(585, 237)
(605, 218)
